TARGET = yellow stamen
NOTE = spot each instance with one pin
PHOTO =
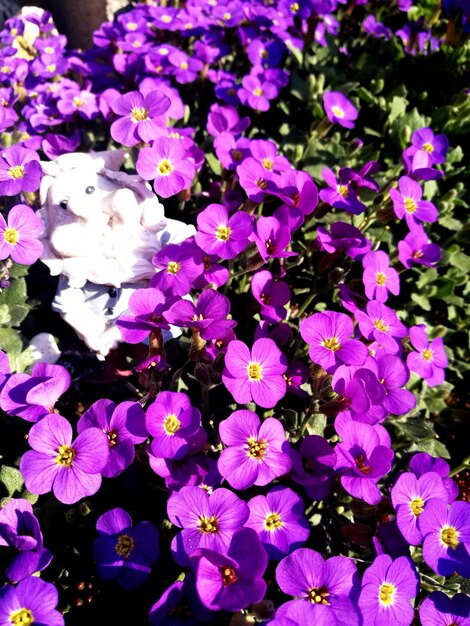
(338, 111)
(16, 172)
(410, 205)
(256, 449)
(11, 236)
(381, 326)
(386, 593)
(66, 456)
(343, 190)
(223, 233)
(124, 546)
(208, 525)
(428, 147)
(331, 344)
(381, 279)
(184, 65)
(78, 102)
(21, 617)
(258, 91)
(139, 114)
(267, 164)
(173, 268)
(449, 536)
(165, 167)
(318, 595)
(427, 355)
(255, 371)
(417, 506)
(171, 424)
(112, 437)
(228, 576)
(273, 521)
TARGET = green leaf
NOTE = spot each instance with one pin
(397, 108)
(10, 341)
(5, 316)
(11, 479)
(214, 163)
(431, 446)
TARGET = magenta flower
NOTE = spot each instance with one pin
(124, 425)
(341, 194)
(256, 453)
(256, 92)
(422, 462)
(166, 163)
(436, 146)
(257, 374)
(329, 335)
(446, 532)
(330, 586)
(33, 600)
(312, 466)
(410, 496)
(381, 323)
(279, 520)
(407, 203)
(393, 375)
(416, 248)
(272, 238)
(122, 552)
(254, 178)
(173, 423)
(233, 580)
(363, 457)
(139, 117)
(440, 610)
(19, 236)
(74, 100)
(221, 235)
(339, 109)
(208, 521)
(379, 278)
(271, 295)
(71, 469)
(178, 269)
(146, 307)
(343, 236)
(388, 587)
(362, 392)
(430, 360)
(20, 170)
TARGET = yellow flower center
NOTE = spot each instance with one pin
(381, 279)
(450, 536)
(173, 267)
(139, 114)
(294, 7)
(255, 371)
(165, 167)
(49, 50)
(381, 326)
(223, 233)
(227, 16)
(410, 205)
(208, 525)
(386, 593)
(22, 617)
(171, 424)
(343, 190)
(258, 91)
(184, 65)
(17, 171)
(417, 506)
(51, 68)
(318, 595)
(331, 344)
(66, 456)
(132, 26)
(78, 102)
(112, 437)
(11, 236)
(256, 449)
(228, 576)
(267, 164)
(338, 111)
(273, 521)
(427, 355)
(124, 546)
(361, 465)
(428, 147)
(166, 19)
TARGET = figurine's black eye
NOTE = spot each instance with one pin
(89, 190)
(63, 204)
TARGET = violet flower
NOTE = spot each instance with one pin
(271, 295)
(312, 466)
(33, 600)
(178, 268)
(71, 469)
(379, 278)
(343, 236)
(256, 92)
(19, 235)
(440, 610)
(407, 203)
(254, 179)
(339, 109)
(146, 308)
(122, 552)
(223, 235)
(416, 248)
(436, 146)
(272, 238)
(393, 375)
(341, 194)
(256, 453)
(422, 462)
(430, 360)
(179, 604)
(381, 323)
(255, 374)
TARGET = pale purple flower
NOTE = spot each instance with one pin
(379, 278)
(339, 109)
(407, 203)
(430, 359)
(223, 235)
(19, 235)
(380, 322)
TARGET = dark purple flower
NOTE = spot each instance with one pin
(343, 236)
(279, 520)
(388, 587)
(312, 466)
(179, 605)
(122, 552)
(440, 610)
(19, 530)
(231, 151)
(223, 235)
(19, 236)
(233, 580)
(393, 375)
(146, 307)
(362, 392)
(430, 360)
(222, 119)
(54, 145)
(407, 203)
(340, 194)
(255, 374)
(329, 585)
(256, 453)
(31, 601)
(71, 469)
(446, 532)
(208, 521)
(339, 109)
(379, 278)
(416, 248)
(124, 425)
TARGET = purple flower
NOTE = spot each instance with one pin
(138, 117)
(208, 521)
(339, 109)
(178, 269)
(208, 315)
(422, 462)
(19, 236)
(393, 375)
(329, 585)
(74, 100)
(32, 600)
(312, 466)
(329, 335)
(341, 194)
(446, 532)
(410, 496)
(279, 520)
(272, 238)
(430, 360)
(231, 151)
(436, 146)
(179, 605)
(19, 530)
(222, 119)
(71, 469)
(122, 552)
(256, 92)
(345, 237)
(388, 587)
(173, 423)
(362, 393)
(419, 165)
(294, 613)
(124, 425)
(416, 248)
(256, 453)
(440, 610)
(271, 295)
(363, 457)
(255, 374)
(32, 397)
(407, 203)
(166, 163)
(379, 278)
(146, 306)
(221, 235)
(233, 580)
(20, 170)
(254, 179)
(381, 323)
